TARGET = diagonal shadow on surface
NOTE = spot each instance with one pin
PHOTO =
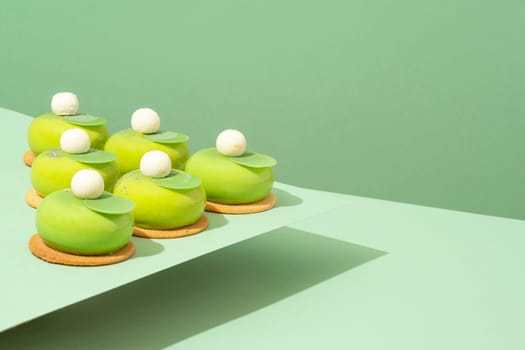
(190, 298)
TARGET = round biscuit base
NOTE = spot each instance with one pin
(40, 249)
(199, 226)
(29, 157)
(256, 207)
(33, 199)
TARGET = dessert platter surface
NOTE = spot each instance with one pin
(25, 276)
(356, 267)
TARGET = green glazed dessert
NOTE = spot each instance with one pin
(85, 220)
(45, 130)
(229, 173)
(164, 198)
(145, 135)
(53, 169)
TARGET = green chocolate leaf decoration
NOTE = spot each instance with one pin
(254, 160)
(110, 204)
(178, 180)
(167, 137)
(85, 120)
(94, 157)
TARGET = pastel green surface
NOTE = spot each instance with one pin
(158, 206)
(408, 100)
(226, 181)
(53, 170)
(324, 270)
(129, 147)
(45, 131)
(420, 100)
(59, 286)
(66, 223)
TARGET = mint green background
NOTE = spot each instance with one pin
(414, 101)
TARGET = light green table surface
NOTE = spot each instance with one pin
(31, 287)
(325, 270)
(370, 274)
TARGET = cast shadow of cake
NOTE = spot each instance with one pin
(285, 199)
(185, 300)
(145, 247)
(215, 220)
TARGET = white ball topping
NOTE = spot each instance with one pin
(155, 164)
(75, 140)
(87, 184)
(64, 103)
(145, 120)
(231, 142)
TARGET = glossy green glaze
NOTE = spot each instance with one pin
(228, 182)
(45, 131)
(158, 207)
(53, 170)
(130, 146)
(66, 224)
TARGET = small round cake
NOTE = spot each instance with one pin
(165, 198)
(53, 169)
(45, 130)
(85, 220)
(145, 135)
(230, 174)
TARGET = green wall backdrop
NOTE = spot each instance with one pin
(413, 101)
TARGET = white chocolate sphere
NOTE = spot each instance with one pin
(231, 142)
(87, 184)
(155, 164)
(145, 120)
(75, 140)
(64, 103)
